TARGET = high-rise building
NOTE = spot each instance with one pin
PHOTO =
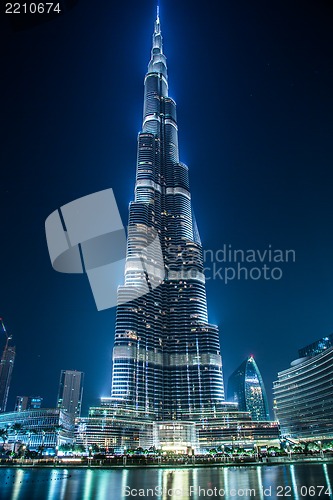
(316, 347)
(6, 369)
(167, 385)
(303, 393)
(246, 387)
(70, 392)
(28, 403)
(166, 358)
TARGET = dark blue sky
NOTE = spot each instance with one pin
(253, 82)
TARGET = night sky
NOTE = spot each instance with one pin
(253, 81)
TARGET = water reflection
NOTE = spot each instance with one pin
(260, 482)
(260, 486)
(17, 484)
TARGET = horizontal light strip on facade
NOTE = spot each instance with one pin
(178, 190)
(193, 359)
(148, 183)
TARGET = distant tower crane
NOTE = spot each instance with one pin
(6, 369)
(9, 337)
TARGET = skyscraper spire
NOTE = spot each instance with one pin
(157, 25)
(157, 62)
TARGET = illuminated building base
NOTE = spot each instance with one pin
(176, 436)
(116, 430)
(36, 428)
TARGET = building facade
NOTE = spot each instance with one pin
(166, 357)
(6, 369)
(167, 385)
(28, 403)
(316, 347)
(246, 387)
(70, 392)
(303, 395)
(37, 429)
(116, 431)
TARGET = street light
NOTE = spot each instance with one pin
(90, 455)
(321, 453)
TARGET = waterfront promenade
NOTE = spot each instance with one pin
(120, 462)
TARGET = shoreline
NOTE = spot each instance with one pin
(174, 467)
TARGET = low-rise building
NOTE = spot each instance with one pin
(37, 429)
(28, 403)
(117, 430)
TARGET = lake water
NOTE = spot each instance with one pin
(297, 482)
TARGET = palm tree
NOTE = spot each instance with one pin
(16, 429)
(41, 447)
(78, 448)
(313, 446)
(65, 447)
(57, 429)
(4, 435)
(96, 448)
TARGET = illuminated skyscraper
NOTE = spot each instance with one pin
(303, 395)
(246, 387)
(6, 369)
(166, 358)
(316, 347)
(70, 391)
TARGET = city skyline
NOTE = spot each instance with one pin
(256, 123)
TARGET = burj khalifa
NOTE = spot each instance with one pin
(166, 359)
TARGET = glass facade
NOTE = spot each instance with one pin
(49, 427)
(6, 369)
(304, 397)
(237, 429)
(115, 431)
(316, 347)
(246, 387)
(70, 391)
(28, 403)
(175, 436)
(125, 429)
(166, 358)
